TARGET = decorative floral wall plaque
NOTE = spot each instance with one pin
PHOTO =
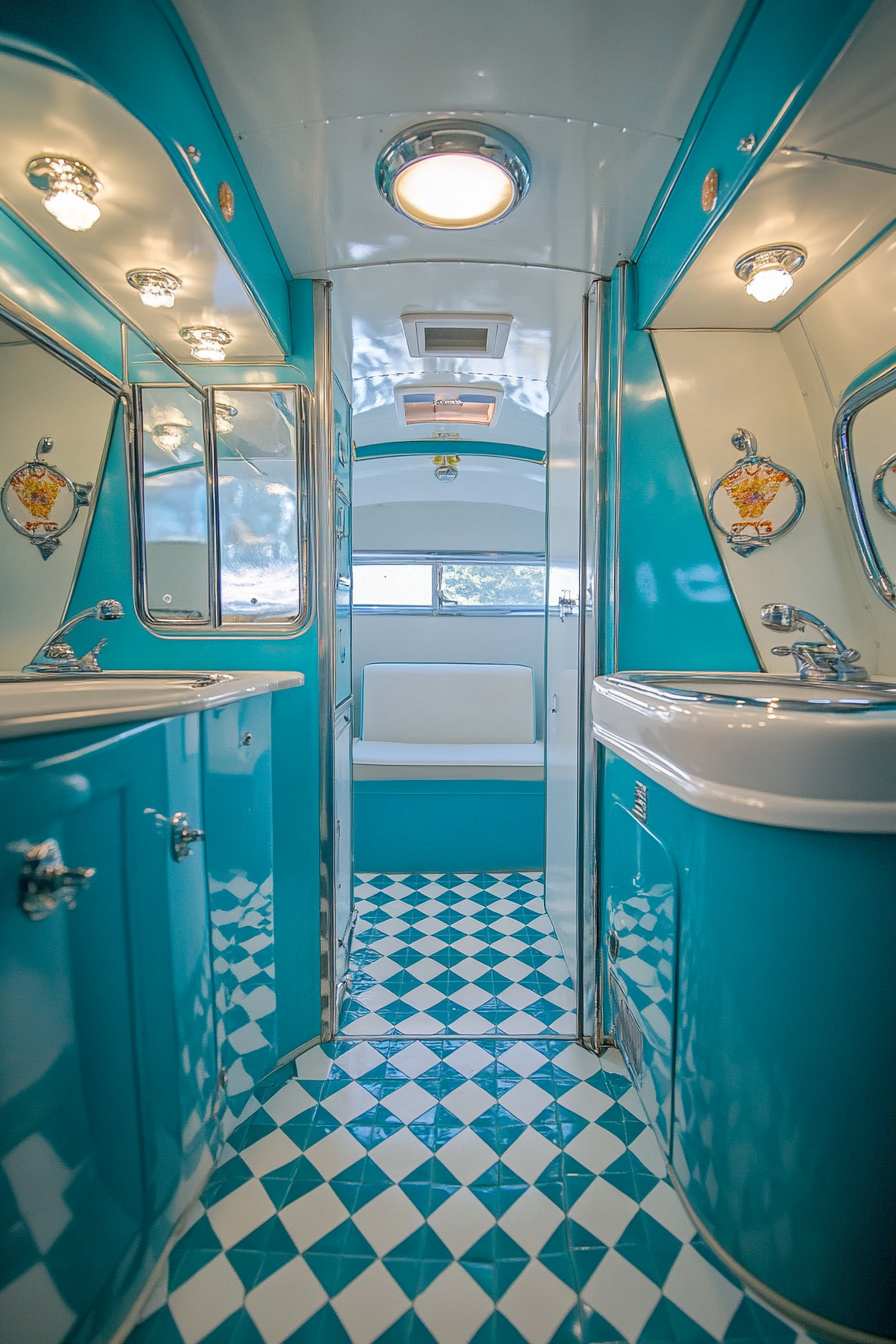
(40, 501)
(757, 501)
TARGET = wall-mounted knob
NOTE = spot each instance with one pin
(183, 835)
(45, 882)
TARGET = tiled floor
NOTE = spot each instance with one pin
(456, 954)
(492, 1191)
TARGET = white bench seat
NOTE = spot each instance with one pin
(449, 760)
(448, 721)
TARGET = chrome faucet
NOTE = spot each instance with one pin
(57, 655)
(830, 661)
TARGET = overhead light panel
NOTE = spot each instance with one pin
(206, 343)
(453, 174)
(157, 288)
(69, 187)
(457, 335)
(476, 406)
(768, 273)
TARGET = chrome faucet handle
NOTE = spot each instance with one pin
(57, 655)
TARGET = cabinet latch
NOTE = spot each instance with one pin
(45, 882)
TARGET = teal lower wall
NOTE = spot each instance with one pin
(448, 826)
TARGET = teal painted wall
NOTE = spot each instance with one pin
(676, 609)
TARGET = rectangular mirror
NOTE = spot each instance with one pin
(222, 512)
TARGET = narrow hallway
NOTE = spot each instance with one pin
(463, 954)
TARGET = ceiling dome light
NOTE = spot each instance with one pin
(70, 187)
(224, 417)
(206, 343)
(170, 435)
(768, 273)
(157, 289)
(453, 174)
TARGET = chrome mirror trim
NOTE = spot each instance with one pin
(862, 396)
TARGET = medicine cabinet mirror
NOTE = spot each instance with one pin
(222, 506)
(865, 449)
(56, 428)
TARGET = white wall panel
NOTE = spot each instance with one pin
(719, 381)
(433, 527)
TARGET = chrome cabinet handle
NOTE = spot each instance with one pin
(183, 835)
(45, 882)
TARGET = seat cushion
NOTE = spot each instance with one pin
(448, 760)
(448, 703)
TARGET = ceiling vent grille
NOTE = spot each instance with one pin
(476, 405)
(462, 335)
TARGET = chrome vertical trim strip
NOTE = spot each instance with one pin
(613, 475)
(326, 641)
(873, 565)
(210, 440)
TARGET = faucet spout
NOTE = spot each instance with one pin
(57, 655)
(815, 661)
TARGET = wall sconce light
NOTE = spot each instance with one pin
(170, 435)
(453, 174)
(224, 417)
(69, 188)
(206, 343)
(768, 273)
(157, 289)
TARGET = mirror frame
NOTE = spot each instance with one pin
(214, 625)
(876, 382)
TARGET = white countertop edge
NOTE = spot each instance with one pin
(145, 707)
(763, 809)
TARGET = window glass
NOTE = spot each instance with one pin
(392, 585)
(258, 505)
(175, 505)
(484, 584)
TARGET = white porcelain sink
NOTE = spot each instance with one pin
(58, 702)
(763, 748)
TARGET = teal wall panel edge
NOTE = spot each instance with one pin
(140, 54)
(448, 826)
(41, 285)
(783, 51)
(875, 370)
(434, 447)
(676, 610)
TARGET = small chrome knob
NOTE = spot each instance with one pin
(183, 835)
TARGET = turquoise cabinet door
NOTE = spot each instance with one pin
(641, 898)
(239, 857)
(73, 1171)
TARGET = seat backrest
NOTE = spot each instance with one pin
(447, 702)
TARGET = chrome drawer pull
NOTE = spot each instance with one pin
(183, 835)
(44, 881)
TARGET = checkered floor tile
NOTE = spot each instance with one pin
(456, 954)
(439, 1192)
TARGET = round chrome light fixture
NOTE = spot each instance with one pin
(768, 273)
(206, 343)
(170, 435)
(157, 289)
(453, 174)
(69, 188)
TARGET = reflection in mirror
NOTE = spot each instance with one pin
(44, 398)
(174, 483)
(258, 504)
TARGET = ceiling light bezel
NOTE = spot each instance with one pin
(144, 279)
(55, 174)
(789, 257)
(430, 139)
(212, 337)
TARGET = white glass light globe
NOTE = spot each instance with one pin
(211, 351)
(73, 209)
(154, 296)
(769, 283)
(454, 191)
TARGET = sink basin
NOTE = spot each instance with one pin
(47, 702)
(758, 747)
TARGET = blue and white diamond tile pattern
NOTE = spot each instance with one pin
(242, 918)
(462, 954)
(447, 1192)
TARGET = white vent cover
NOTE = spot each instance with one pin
(474, 404)
(461, 335)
